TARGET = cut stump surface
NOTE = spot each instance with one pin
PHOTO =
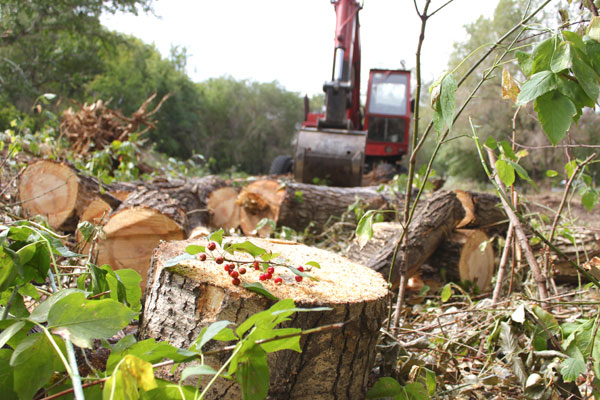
(181, 300)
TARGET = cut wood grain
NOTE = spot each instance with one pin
(223, 208)
(57, 192)
(182, 300)
(482, 211)
(465, 256)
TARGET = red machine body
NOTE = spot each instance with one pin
(337, 143)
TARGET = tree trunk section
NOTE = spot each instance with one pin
(463, 257)
(298, 205)
(435, 221)
(57, 192)
(223, 208)
(181, 300)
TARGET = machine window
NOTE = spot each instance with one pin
(388, 94)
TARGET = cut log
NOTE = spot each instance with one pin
(298, 205)
(132, 233)
(96, 212)
(465, 256)
(435, 221)
(57, 192)
(223, 208)
(162, 210)
(182, 300)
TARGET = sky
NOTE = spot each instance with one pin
(291, 41)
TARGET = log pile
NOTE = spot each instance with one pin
(137, 216)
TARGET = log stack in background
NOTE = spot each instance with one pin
(137, 216)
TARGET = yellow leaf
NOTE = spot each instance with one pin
(510, 88)
(140, 370)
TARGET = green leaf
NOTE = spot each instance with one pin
(131, 279)
(430, 382)
(521, 172)
(575, 92)
(385, 387)
(267, 318)
(85, 320)
(551, 173)
(168, 391)
(555, 112)
(561, 58)
(491, 143)
(260, 289)
(208, 333)
(539, 84)
(448, 99)
(415, 391)
(197, 370)
(592, 48)
(9, 332)
(290, 343)
(507, 150)
(9, 263)
(547, 319)
(195, 249)
(246, 247)
(505, 171)
(542, 55)
(364, 229)
(446, 292)
(253, 374)
(6, 375)
(587, 77)
(573, 366)
(217, 236)
(589, 199)
(34, 361)
(313, 264)
(525, 61)
(593, 29)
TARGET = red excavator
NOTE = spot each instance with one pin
(336, 146)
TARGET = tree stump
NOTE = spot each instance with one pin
(298, 205)
(181, 300)
(59, 193)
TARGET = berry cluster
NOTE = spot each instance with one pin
(236, 268)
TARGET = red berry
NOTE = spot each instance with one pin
(226, 268)
(298, 278)
(234, 274)
(235, 281)
(202, 257)
(211, 246)
(262, 277)
(270, 270)
(300, 268)
(242, 270)
(256, 265)
(278, 280)
(219, 260)
(269, 276)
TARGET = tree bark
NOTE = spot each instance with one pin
(298, 205)
(180, 301)
(57, 192)
(435, 221)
